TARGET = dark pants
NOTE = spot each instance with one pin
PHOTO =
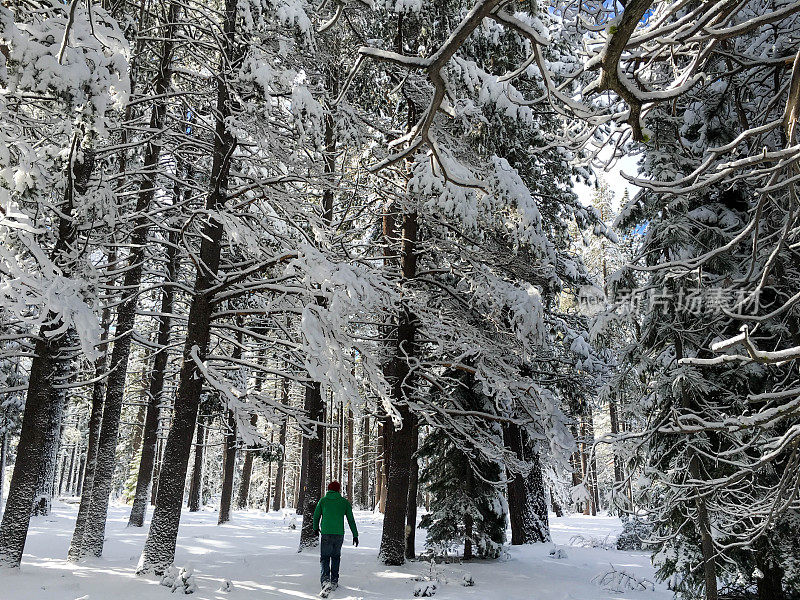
(330, 554)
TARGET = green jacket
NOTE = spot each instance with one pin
(332, 509)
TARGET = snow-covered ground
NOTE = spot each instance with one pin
(257, 552)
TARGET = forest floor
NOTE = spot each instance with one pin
(257, 552)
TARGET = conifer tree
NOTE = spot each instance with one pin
(468, 507)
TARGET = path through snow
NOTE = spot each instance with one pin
(258, 553)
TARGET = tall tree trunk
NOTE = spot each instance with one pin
(3, 459)
(301, 486)
(619, 493)
(380, 474)
(527, 504)
(364, 491)
(588, 508)
(196, 480)
(707, 542)
(230, 447)
(413, 488)
(350, 455)
(64, 486)
(592, 461)
(35, 422)
(243, 494)
(228, 468)
(392, 548)
(315, 464)
(144, 478)
(279, 477)
(45, 482)
(770, 586)
(73, 469)
(469, 521)
(703, 521)
(49, 350)
(159, 549)
(94, 535)
(247, 471)
(336, 421)
(81, 475)
(314, 448)
(468, 526)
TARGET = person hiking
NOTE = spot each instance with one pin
(331, 509)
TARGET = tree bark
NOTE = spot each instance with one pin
(48, 351)
(126, 313)
(159, 550)
(392, 548)
(314, 447)
(592, 461)
(144, 478)
(45, 482)
(468, 525)
(228, 469)
(243, 493)
(364, 491)
(614, 418)
(380, 470)
(3, 459)
(247, 472)
(703, 521)
(157, 467)
(196, 481)
(350, 454)
(527, 504)
(277, 502)
(24, 479)
(65, 486)
(413, 488)
(770, 586)
(707, 542)
(315, 465)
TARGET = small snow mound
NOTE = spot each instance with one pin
(227, 586)
(558, 553)
(424, 590)
(180, 580)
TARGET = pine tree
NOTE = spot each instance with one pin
(468, 507)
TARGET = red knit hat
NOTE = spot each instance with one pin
(334, 486)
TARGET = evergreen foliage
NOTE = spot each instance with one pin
(467, 508)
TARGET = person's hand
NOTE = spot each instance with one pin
(316, 532)
(355, 542)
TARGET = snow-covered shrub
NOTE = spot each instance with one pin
(620, 582)
(180, 580)
(558, 553)
(424, 590)
(635, 532)
(591, 541)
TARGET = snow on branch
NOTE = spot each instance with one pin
(754, 353)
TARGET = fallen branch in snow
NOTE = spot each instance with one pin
(619, 581)
(588, 541)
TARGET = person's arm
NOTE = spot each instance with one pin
(318, 514)
(352, 523)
